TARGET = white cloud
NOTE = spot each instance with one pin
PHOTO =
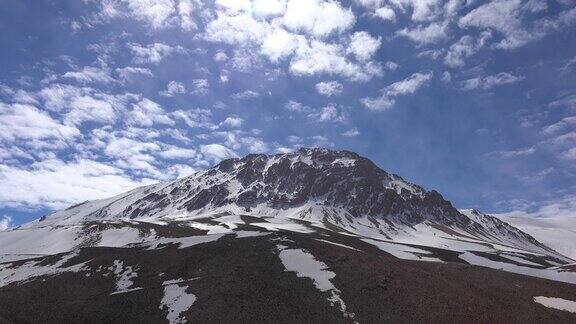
(568, 101)
(239, 29)
(406, 86)
(317, 17)
(363, 46)
(463, 48)
(328, 113)
(185, 10)
(131, 73)
(351, 133)
(200, 87)
(216, 152)
(195, 118)
(514, 153)
(296, 106)
(154, 12)
(329, 88)
(146, 113)
(422, 10)
(87, 108)
(245, 95)
(318, 57)
(232, 122)
(507, 18)
(175, 153)
(90, 74)
(25, 122)
(280, 44)
(559, 126)
(266, 8)
(385, 13)
(220, 57)
(491, 81)
(433, 33)
(57, 184)
(5, 223)
(173, 88)
(134, 155)
(446, 77)
(152, 53)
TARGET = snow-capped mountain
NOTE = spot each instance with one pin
(292, 205)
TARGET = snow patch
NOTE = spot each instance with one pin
(124, 276)
(305, 265)
(33, 269)
(556, 303)
(176, 300)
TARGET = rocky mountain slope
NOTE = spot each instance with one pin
(253, 238)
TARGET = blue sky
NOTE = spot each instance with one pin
(476, 99)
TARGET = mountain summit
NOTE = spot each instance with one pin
(316, 214)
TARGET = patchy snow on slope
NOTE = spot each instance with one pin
(176, 300)
(124, 276)
(402, 251)
(305, 265)
(34, 268)
(183, 242)
(44, 240)
(556, 303)
(552, 274)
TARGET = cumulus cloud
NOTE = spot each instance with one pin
(200, 87)
(154, 12)
(317, 17)
(232, 122)
(90, 74)
(220, 57)
(87, 108)
(131, 73)
(431, 34)
(328, 113)
(406, 86)
(26, 122)
(318, 57)
(329, 88)
(185, 10)
(194, 118)
(363, 46)
(146, 113)
(57, 184)
(217, 152)
(152, 53)
(385, 13)
(296, 106)
(173, 88)
(297, 33)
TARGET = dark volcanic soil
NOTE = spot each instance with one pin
(244, 280)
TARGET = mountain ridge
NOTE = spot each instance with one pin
(311, 236)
